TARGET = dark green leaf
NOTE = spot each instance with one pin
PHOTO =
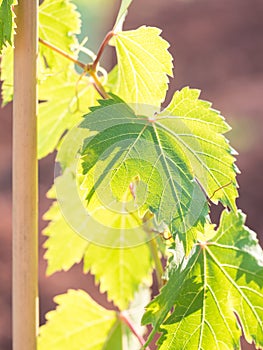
(6, 23)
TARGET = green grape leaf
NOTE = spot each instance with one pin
(65, 248)
(199, 130)
(7, 74)
(77, 323)
(127, 146)
(143, 65)
(214, 294)
(119, 271)
(6, 23)
(64, 93)
(59, 22)
(122, 13)
(58, 30)
(67, 98)
(80, 323)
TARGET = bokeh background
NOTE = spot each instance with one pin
(217, 47)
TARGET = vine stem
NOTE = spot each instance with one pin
(98, 85)
(63, 53)
(102, 48)
(128, 323)
(87, 68)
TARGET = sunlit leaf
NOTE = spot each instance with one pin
(67, 99)
(129, 146)
(65, 248)
(143, 65)
(59, 22)
(77, 323)
(7, 74)
(80, 323)
(199, 130)
(130, 267)
(214, 294)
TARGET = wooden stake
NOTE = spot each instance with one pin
(25, 209)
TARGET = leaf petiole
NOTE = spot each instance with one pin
(102, 48)
(63, 53)
(124, 319)
(87, 68)
(97, 84)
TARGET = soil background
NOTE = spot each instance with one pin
(217, 47)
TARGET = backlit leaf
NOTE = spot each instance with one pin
(64, 247)
(220, 287)
(67, 99)
(129, 146)
(7, 62)
(131, 267)
(80, 323)
(143, 65)
(77, 323)
(59, 22)
(199, 130)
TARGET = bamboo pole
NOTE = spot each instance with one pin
(25, 208)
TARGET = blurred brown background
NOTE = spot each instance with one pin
(218, 47)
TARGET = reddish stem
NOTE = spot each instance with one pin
(128, 323)
(88, 68)
(63, 53)
(101, 49)
(97, 84)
